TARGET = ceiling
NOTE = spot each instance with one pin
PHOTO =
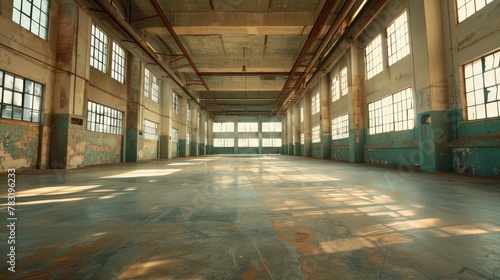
(237, 57)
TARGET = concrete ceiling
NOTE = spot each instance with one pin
(221, 37)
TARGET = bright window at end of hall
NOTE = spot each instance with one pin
(188, 113)
(98, 49)
(248, 127)
(248, 143)
(271, 142)
(482, 87)
(466, 8)
(398, 39)
(374, 63)
(271, 127)
(118, 64)
(33, 15)
(223, 142)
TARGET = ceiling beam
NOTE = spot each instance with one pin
(244, 73)
(166, 23)
(209, 23)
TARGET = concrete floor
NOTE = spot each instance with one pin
(253, 217)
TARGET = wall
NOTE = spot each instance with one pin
(475, 145)
(442, 138)
(62, 65)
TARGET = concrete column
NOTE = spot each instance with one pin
(67, 148)
(289, 126)
(193, 149)
(132, 139)
(236, 136)
(296, 129)
(210, 138)
(183, 129)
(326, 135)
(165, 120)
(284, 145)
(307, 126)
(260, 136)
(357, 129)
(431, 100)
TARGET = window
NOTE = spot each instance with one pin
(315, 103)
(343, 81)
(482, 87)
(98, 49)
(104, 119)
(316, 134)
(398, 39)
(224, 127)
(20, 99)
(198, 123)
(466, 8)
(147, 81)
(150, 130)
(206, 129)
(32, 15)
(155, 89)
(248, 127)
(248, 143)
(188, 113)
(340, 127)
(271, 127)
(118, 65)
(392, 113)
(175, 104)
(302, 139)
(175, 135)
(301, 114)
(374, 63)
(223, 142)
(335, 88)
(188, 138)
(271, 142)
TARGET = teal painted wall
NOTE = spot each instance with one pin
(210, 149)
(193, 149)
(269, 150)
(131, 142)
(339, 150)
(182, 147)
(228, 151)
(475, 145)
(59, 141)
(248, 151)
(316, 150)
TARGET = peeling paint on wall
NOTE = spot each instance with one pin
(102, 148)
(149, 150)
(18, 145)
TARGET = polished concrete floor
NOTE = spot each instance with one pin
(253, 217)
